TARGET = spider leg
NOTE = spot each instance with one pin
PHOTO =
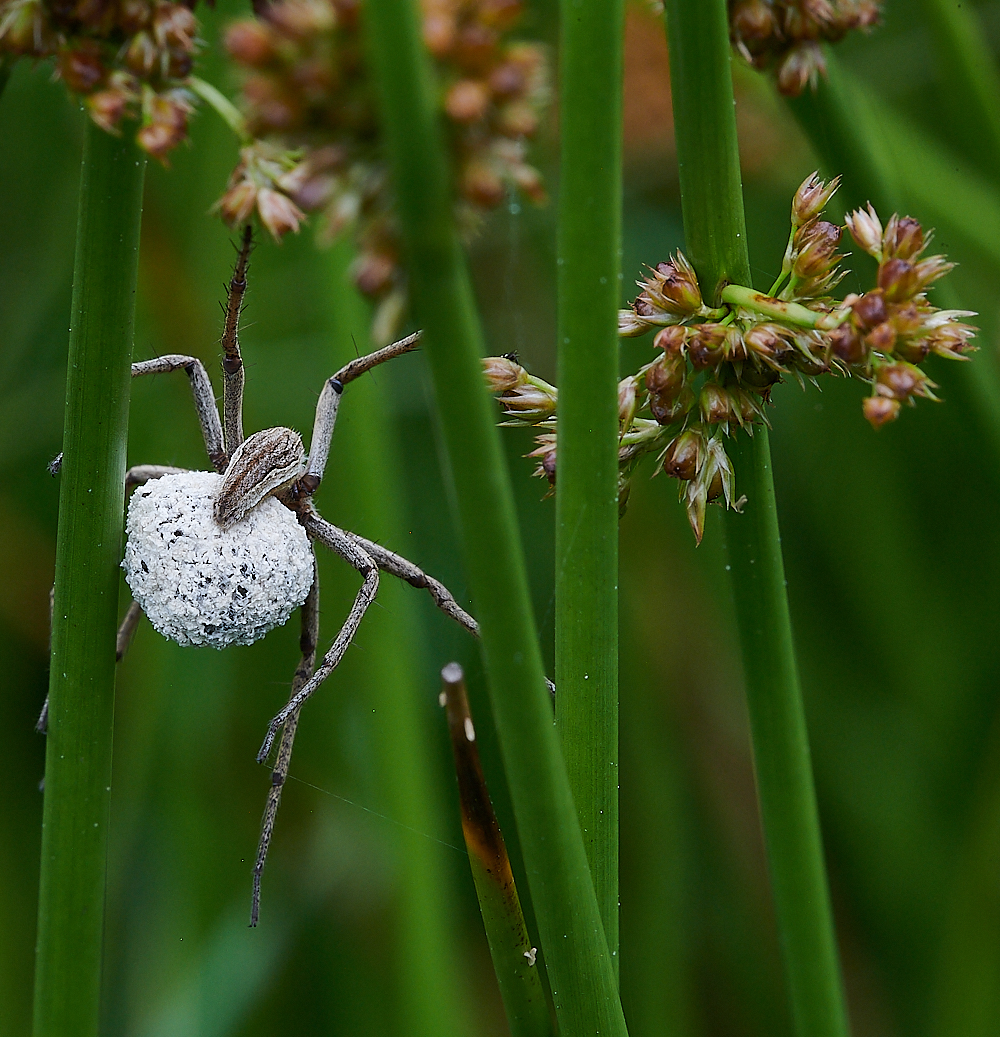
(338, 541)
(232, 360)
(204, 399)
(307, 643)
(329, 404)
(400, 567)
(127, 630)
(140, 474)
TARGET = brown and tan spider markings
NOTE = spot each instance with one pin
(273, 463)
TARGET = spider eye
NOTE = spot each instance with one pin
(264, 463)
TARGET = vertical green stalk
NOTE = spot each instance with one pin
(429, 979)
(88, 548)
(579, 964)
(586, 578)
(715, 234)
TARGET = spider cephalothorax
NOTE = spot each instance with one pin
(222, 557)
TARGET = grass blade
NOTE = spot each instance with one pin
(586, 612)
(579, 964)
(82, 682)
(715, 233)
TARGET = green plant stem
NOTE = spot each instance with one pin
(737, 295)
(715, 233)
(426, 957)
(88, 548)
(579, 964)
(586, 575)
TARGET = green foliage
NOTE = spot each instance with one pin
(891, 557)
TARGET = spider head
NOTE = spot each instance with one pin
(262, 464)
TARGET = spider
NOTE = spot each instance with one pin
(182, 572)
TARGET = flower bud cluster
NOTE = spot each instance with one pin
(309, 102)
(785, 35)
(127, 59)
(715, 368)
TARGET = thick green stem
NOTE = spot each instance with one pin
(427, 976)
(712, 199)
(589, 266)
(88, 548)
(579, 964)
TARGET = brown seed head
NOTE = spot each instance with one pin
(238, 203)
(751, 21)
(879, 410)
(628, 391)
(683, 454)
(800, 68)
(898, 279)
(481, 184)
(716, 404)
(107, 107)
(816, 245)
(81, 66)
(374, 273)
(671, 339)
(705, 346)
(882, 337)
(866, 229)
(901, 380)
(674, 286)
(903, 238)
(846, 344)
(869, 309)
(250, 43)
(811, 198)
(167, 116)
(502, 373)
(467, 100)
(669, 409)
(666, 377)
(278, 212)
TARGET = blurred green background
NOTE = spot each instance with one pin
(370, 923)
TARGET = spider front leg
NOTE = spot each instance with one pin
(307, 643)
(339, 542)
(329, 404)
(204, 399)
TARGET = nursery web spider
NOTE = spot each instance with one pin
(273, 463)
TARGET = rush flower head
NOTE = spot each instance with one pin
(126, 61)
(713, 370)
